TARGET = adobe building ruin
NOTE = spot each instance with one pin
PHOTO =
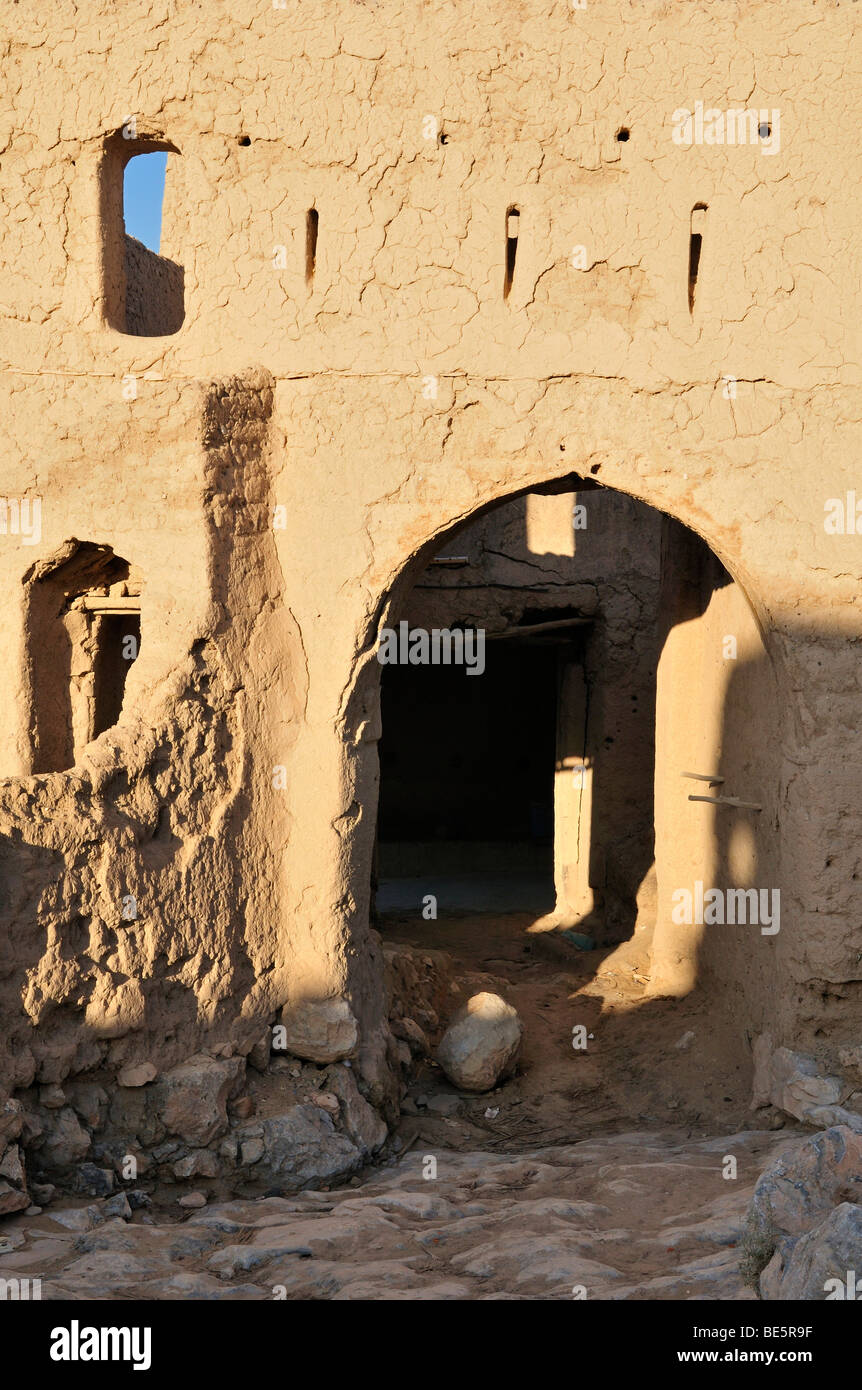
(418, 263)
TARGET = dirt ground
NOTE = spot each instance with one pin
(647, 1062)
(597, 1174)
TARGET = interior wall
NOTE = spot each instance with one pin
(111, 666)
(718, 715)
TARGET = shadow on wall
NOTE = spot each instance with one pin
(155, 292)
(746, 847)
(718, 743)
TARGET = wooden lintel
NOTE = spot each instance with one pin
(539, 627)
(97, 603)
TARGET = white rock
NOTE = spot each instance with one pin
(481, 1044)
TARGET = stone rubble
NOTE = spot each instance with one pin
(623, 1216)
(480, 1047)
(806, 1210)
(274, 1176)
(794, 1083)
(289, 1113)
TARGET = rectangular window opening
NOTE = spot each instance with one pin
(144, 287)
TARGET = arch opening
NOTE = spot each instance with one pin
(143, 285)
(604, 755)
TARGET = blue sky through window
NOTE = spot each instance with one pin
(143, 191)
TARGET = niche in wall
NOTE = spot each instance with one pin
(83, 632)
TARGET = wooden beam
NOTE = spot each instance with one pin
(728, 801)
(97, 603)
(531, 628)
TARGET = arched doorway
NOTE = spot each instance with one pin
(607, 757)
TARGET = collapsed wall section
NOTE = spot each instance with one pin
(140, 912)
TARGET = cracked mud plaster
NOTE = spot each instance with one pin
(280, 391)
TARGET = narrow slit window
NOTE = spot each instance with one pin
(695, 247)
(513, 218)
(312, 223)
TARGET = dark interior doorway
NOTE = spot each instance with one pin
(466, 809)
(117, 646)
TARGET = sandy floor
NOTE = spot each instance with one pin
(648, 1062)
